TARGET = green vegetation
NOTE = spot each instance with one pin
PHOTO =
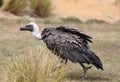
(1, 3)
(71, 20)
(91, 21)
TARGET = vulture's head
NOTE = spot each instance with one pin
(32, 27)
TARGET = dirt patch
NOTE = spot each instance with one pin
(90, 9)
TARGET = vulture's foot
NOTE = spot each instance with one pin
(88, 67)
(59, 65)
(85, 69)
(54, 69)
(85, 72)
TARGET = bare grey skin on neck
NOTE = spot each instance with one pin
(33, 27)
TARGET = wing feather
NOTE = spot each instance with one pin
(76, 32)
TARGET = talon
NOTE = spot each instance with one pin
(85, 71)
(51, 74)
(56, 67)
(89, 67)
(83, 77)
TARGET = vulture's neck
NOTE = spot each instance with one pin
(37, 34)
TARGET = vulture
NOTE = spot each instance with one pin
(68, 44)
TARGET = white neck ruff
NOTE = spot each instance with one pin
(37, 35)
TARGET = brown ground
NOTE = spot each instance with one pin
(88, 9)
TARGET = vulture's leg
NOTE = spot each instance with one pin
(85, 70)
(59, 64)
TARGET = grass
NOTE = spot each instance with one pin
(117, 2)
(41, 8)
(15, 6)
(1, 3)
(36, 8)
(34, 65)
(90, 21)
(21, 50)
(71, 19)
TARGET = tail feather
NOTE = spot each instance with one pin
(95, 60)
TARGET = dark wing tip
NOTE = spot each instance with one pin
(102, 69)
(76, 32)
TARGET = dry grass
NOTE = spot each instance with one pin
(15, 6)
(1, 3)
(32, 65)
(106, 41)
(71, 19)
(41, 8)
(117, 2)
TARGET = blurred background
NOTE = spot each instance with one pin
(107, 10)
(24, 59)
